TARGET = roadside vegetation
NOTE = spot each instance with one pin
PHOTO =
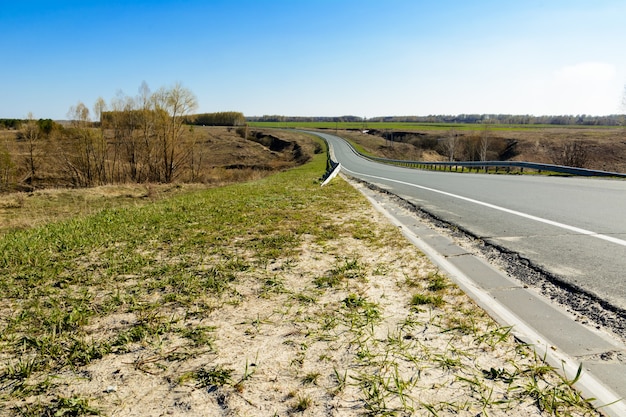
(269, 297)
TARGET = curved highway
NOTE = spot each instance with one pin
(572, 228)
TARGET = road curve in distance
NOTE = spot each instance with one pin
(572, 228)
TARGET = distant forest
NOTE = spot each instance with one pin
(229, 118)
(582, 120)
(238, 119)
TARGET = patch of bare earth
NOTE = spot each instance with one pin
(332, 330)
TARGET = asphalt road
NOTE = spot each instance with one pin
(572, 228)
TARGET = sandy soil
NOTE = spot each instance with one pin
(286, 345)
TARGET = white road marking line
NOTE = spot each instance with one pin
(503, 209)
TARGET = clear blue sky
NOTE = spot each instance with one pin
(318, 57)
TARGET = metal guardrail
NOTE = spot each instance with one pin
(506, 165)
(478, 165)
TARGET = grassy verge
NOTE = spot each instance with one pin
(271, 297)
(21, 210)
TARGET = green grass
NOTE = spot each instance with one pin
(428, 299)
(216, 376)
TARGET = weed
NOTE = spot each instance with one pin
(311, 378)
(273, 285)
(500, 374)
(353, 301)
(328, 322)
(217, 278)
(375, 393)
(431, 409)
(340, 379)
(216, 376)
(496, 336)
(421, 299)
(199, 335)
(306, 298)
(247, 374)
(21, 370)
(303, 403)
(361, 313)
(80, 352)
(437, 282)
(327, 281)
(447, 362)
(349, 269)
(465, 324)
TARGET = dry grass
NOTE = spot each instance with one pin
(23, 210)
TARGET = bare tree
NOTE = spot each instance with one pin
(31, 134)
(6, 168)
(450, 144)
(147, 147)
(85, 155)
(114, 122)
(126, 122)
(484, 142)
(79, 115)
(99, 107)
(171, 107)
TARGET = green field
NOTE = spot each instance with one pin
(408, 126)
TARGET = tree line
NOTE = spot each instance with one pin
(228, 118)
(278, 118)
(561, 120)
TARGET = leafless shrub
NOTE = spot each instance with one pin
(573, 154)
